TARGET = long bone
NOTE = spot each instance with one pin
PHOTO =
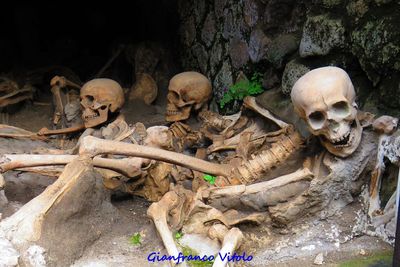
(95, 146)
(158, 212)
(231, 242)
(129, 167)
(218, 196)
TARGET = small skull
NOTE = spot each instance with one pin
(99, 97)
(186, 91)
(325, 99)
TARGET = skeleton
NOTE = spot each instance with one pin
(388, 148)
(11, 93)
(323, 184)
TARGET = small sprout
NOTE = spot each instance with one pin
(209, 178)
(135, 239)
(178, 235)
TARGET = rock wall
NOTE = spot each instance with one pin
(283, 39)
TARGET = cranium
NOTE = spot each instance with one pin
(99, 97)
(186, 91)
(325, 99)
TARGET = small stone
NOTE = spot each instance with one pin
(238, 51)
(258, 45)
(321, 34)
(293, 71)
(362, 252)
(319, 259)
(208, 31)
(250, 11)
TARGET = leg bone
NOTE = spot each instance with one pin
(232, 241)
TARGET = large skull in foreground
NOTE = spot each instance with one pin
(325, 99)
(186, 91)
(98, 98)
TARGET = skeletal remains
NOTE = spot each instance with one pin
(245, 149)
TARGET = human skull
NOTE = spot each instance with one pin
(98, 98)
(186, 91)
(325, 99)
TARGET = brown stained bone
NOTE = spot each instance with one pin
(18, 133)
(129, 167)
(94, 146)
(44, 131)
(251, 170)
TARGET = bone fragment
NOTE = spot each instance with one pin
(232, 241)
(95, 146)
(45, 131)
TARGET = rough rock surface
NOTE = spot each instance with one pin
(265, 36)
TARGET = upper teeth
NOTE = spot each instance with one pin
(172, 112)
(341, 138)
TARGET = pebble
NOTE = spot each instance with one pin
(319, 259)
(362, 252)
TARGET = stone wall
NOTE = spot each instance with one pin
(283, 39)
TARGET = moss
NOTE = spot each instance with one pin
(189, 251)
(379, 259)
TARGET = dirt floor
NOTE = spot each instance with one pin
(335, 240)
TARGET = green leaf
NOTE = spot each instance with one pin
(135, 239)
(209, 178)
(178, 235)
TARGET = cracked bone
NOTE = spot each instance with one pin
(232, 241)
(159, 212)
(129, 167)
(94, 146)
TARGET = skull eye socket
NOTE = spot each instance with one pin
(341, 108)
(316, 119)
(103, 107)
(87, 100)
(173, 96)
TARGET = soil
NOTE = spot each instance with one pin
(298, 244)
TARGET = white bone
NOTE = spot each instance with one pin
(232, 241)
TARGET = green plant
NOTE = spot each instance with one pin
(178, 235)
(209, 178)
(135, 239)
(242, 88)
(186, 251)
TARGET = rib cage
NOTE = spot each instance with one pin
(279, 152)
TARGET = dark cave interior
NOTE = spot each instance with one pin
(83, 38)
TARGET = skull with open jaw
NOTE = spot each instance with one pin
(325, 99)
(98, 98)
